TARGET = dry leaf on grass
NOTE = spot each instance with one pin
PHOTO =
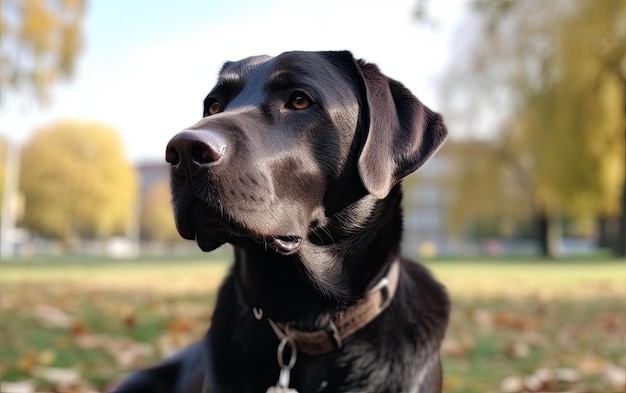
(517, 349)
(512, 384)
(131, 354)
(457, 347)
(545, 380)
(615, 375)
(59, 377)
(46, 357)
(52, 317)
(17, 387)
(126, 352)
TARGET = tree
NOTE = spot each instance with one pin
(39, 44)
(2, 166)
(157, 218)
(76, 181)
(552, 72)
(485, 190)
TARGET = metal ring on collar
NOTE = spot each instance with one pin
(281, 349)
(258, 313)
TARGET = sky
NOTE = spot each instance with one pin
(146, 66)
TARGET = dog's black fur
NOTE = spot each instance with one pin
(300, 171)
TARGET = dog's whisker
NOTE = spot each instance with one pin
(330, 235)
(316, 233)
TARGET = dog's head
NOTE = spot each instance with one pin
(287, 142)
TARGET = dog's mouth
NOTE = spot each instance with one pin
(285, 244)
(210, 229)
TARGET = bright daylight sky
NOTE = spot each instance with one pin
(147, 65)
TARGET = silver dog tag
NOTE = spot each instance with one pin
(282, 386)
(280, 389)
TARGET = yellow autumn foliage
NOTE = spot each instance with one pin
(77, 181)
(157, 217)
(39, 43)
(546, 80)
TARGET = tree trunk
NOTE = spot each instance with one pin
(619, 245)
(607, 232)
(549, 233)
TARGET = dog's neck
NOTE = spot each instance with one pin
(330, 273)
(344, 324)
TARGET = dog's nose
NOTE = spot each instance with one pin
(192, 150)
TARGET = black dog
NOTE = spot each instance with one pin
(297, 163)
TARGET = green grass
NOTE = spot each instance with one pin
(510, 317)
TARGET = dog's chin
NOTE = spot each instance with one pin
(210, 230)
(207, 245)
(205, 230)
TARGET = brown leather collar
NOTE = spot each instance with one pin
(345, 323)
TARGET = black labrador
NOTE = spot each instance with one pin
(297, 163)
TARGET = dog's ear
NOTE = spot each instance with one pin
(402, 133)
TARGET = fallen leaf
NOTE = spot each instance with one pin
(78, 328)
(129, 320)
(533, 383)
(591, 364)
(452, 382)
(512, 384)
(568, 375)
(610, 321)
(132, 354)
(506, 319)
(17, 387)
(545, 375)
(27, 362)
(483, 318)
(615, 375)
(453, 347)
(63, 377)
(46, 357)
(518, 349)
(52, 316)
(180, 326)
(92, 341)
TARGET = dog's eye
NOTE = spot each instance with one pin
(213, 109)
(299, 101)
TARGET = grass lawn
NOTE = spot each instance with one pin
(553, 326)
